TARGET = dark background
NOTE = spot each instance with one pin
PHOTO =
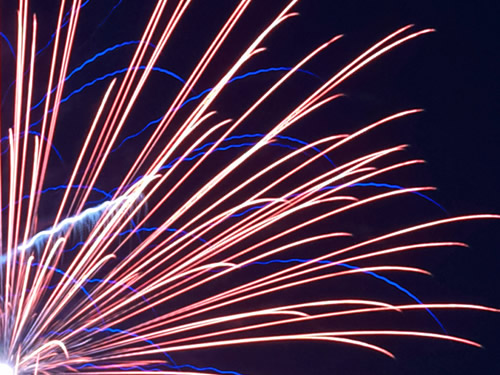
(452, 74)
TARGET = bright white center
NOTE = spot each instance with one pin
(6, 369)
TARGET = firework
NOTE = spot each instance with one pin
(204, 235)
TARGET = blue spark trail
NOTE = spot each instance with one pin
(255, 135)
(115, 330)
(8, 43)
(109, 195)
(384, 279)
(157, 367)
(157, 69)
(109, 14)
(88, 281)
(72, 280)
(390, 186)
(148, 229)
(6, 138)
(79, 68)
(61, 187)
(64, 23)
(223, 148)
(196, 97)
(362, 184)
(94, 58)
(102, 78)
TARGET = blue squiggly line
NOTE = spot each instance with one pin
(225, 148)
(101, 281)
(84, 290)
(79, 68)
(385, 279)
(105, 52)
(6, 138)
(55, 188)
(222, 148)
(151, 229)
(47, 140)
(4, 97)
(109, 15)
(256, 135)
(376, 184)
(247, 211)
(95, 57)
(64, 274)
(134, 226)
(205, 369)
(157, 368)
(120, 71)
(253, 73)
(102, 78)
(249, 74)
(195, 156)
(63, 24)
(8, 43)
(199, 154)
(116, 330)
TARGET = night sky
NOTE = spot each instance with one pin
(452, 74)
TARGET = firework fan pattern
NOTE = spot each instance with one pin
(212, 229)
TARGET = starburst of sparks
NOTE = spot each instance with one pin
(131, 295)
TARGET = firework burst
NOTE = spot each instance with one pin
(202, 237)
